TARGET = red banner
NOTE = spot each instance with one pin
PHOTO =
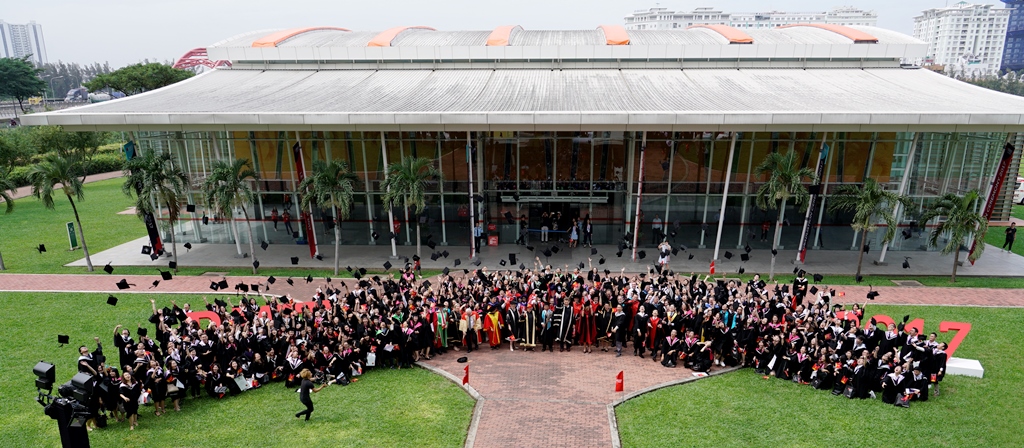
(997, 184)
(307, 221)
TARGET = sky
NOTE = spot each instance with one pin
(123, 32)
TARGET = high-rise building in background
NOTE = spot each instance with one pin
(1013, 52)
(663, 19)
(18, 41)
(964, 39)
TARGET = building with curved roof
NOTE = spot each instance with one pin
(567, 121)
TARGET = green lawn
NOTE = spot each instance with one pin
(1018, 211)
(742, 409)
(385, 408)
(31, 224)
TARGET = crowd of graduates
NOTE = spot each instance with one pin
(783, 331)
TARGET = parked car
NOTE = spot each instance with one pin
(1018, 191)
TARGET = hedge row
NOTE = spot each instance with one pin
(102, 162)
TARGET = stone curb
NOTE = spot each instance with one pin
(478, 408)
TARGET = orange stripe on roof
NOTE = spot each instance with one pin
(615, 35)
(734, 35)
(857, 36)
(384, 38)
(275, 38)
(500, 36)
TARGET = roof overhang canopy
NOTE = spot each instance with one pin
(884, 99)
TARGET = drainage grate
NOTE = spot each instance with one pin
(907, 283)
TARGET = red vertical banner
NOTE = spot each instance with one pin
(465, 379)
(307, 219)
(997, 184)
(619, 382)
(712, 268)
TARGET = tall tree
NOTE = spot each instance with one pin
(154, 179)
(784, 184)
(6, 185)
(19, 79)
(869, 203)
(331, 184)
(407, 182)
(962, 221)
(67, 173)
(229, 185)
(138, 78)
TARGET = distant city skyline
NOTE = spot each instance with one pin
(18, 40)
(122, 32)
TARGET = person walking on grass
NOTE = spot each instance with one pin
(1011, 233)
(304, 390)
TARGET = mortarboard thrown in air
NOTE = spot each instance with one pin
(146, 250)
(906, 263)
(814, 290)
(641, 255)
(63, 339)
(166, 275)
(728, 255)
(775, 252)
(188, 246)
(255, 264)
(872, 295)
(689, 257)
(582, 266)
(818, 277)
(431, 245)
(445, 271)
(744, 257)
(445, 254)
(123, 284)
(434, 256)
(387, 266)
(477, 262)
(264, 245)
(111, 300)
(512, 258)
(742, 270)
(172, 265)
(153, 256)
(457, 262)
(547, 252)
(509, 218)
(271, 279)
(555, 249)
(747, 249)
(593, 251)
(502, 262)
(309, 279)
(602, 260)
(190, 208)
(108, 269)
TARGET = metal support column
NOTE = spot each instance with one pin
(725, 195)
(897, 211)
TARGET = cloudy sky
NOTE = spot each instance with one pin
(126, 31)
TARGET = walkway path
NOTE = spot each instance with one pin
(27, 191)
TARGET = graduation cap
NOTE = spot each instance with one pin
(742, 270)
(462, 360)
(641, 255)
(801, 273)
(547, 252)
(906, 263)
(618, 254)
(502, 262)
(235, 313)
(108, 269)
(191, 208)
(458, 262)
(747, 249)
(582, 265)
(818, 277)
(141, 331)
(414, 258)
(188, 246)
(255, 264)
(872, 295)
(675, 251)
(393, 235)
(434, 256)
(689, 257)
(593, 251)
(146, 250)
(795, 270)
(477, 262)
(286, 311)
(873, 322)
(906, 317)
(153, 257)
(271, 279)
(555, 249)
(744, 257)
(319, 257)
(512, 258)
(166, 275)
(508, 217)
(445, 254)
(123, 284)
(309, 279)
(867, 248)
(466, 271)
(375, 236)
(530, 248)
(264, 245)
(728, 255)
(775, 252)
(362, 271)
(241, 286)
(41, 248)
(906, 234)
(602, 260)
(63, 339)
(445, 271)
(111, 300)
(255, 287)
(814, 290)
(328, 279)
(387, 266)
(859, 278)
(290, 282)
(431, 245)
(426, 283)
(213, 286)
(172, 265)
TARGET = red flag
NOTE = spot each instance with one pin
(618, 382)
(712, 267)
(465, 378)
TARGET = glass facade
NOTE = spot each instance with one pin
(1013, 52)
(575, 174)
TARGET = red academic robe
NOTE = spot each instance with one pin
(654, 334)
(587, 324)
(493, 323)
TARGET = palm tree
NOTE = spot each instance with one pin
(407, 182)
(6, 185)
(155, 180)
(229, 185)
(868, 202)
(65, 172)
(331, 184)
(961, 222)
(785, 183)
